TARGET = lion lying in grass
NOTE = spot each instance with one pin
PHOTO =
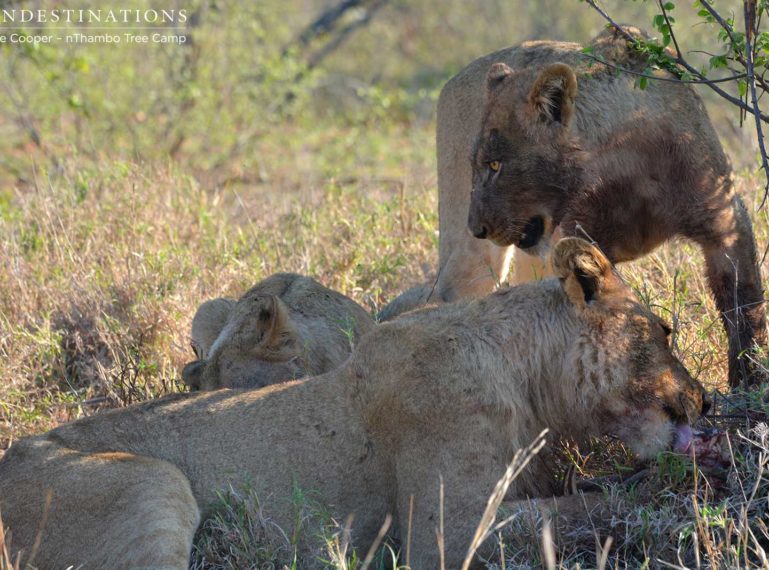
(285, 327)
(445, 394)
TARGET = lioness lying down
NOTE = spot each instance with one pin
(447, 393)
(285, 327)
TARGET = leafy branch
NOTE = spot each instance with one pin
(745, 57)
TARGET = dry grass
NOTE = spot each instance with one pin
(675, 517)
(102, 274)
(7, 562)
(105, 262)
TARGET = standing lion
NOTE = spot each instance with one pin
(515, 126)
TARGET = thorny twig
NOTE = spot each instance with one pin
(679, 61)
(750, 18)
(661, 78)
(670, 27)
(730, 32)
(747, 62)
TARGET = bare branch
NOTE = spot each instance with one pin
(718, 18)
(327, 21)
(730, 32)
(749, 7)
(614, 24)
(344, 34)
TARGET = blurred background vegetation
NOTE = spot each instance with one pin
(246, 96)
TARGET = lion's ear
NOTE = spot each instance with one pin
(496, 76)
(274, 324)
(584, 271)
(553, 93)
(208, 323)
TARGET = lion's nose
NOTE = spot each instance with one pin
(480, 231)
(475, 219)
(706, 404)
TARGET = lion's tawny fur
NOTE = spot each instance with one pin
(285, 327)
(662, 165)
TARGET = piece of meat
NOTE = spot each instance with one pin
(709, 447)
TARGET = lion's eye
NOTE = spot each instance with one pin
(495, 165)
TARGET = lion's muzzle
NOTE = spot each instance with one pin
(475, 221)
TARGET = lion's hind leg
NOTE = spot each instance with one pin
(105, 510)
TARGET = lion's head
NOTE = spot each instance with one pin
(640, 392)
(520, 174)
(256, 347)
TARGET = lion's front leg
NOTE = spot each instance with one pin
(527, 268)
(473, 268)
(567, 515)
(443, 483)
